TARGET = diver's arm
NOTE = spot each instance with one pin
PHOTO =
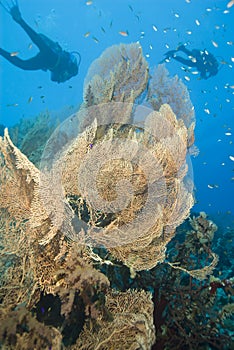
(33, 63)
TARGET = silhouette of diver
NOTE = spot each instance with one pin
(63, 65)
(204, 61)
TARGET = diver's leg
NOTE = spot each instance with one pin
(33, 63)
(186, 62)
(35, 37)
(14, 11)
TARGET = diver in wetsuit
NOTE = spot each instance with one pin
(203, 61)
(63, 65)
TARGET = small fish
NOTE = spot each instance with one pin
(130, 7)
(39, 87)
(95, 39)
(197, 22)
(30, 46)
(188, 32)
(176, 15)
(165, 30)
(12, 105)
(207, 110)
(14, 53)
(124, 33)
(187, 78)
(88, 3)
(225, 12)
(214, 43)
(42, 96)
(231, 158)
(155, 28)
(103, 29)
(86, 34)
(30, 99)
(230, 43)
(228, 133)
(210, 186)
(230, 4)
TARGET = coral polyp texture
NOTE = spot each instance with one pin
(113, 185)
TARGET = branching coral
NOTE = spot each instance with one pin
(113, 194)
(147, 207)
(190, 311)
(21, 331)
(164, 89)
(120, 74)
(130, 328)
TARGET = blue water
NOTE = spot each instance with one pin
(159, 26)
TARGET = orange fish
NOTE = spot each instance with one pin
(230, 4)
(123, 33)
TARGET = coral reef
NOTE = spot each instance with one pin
(83, 238)
(131, 327)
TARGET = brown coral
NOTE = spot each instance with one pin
(135, 177)
(131, 328)
(118, 185)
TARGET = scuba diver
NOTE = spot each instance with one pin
(204, 61)
(63, 65)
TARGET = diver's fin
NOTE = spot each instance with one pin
(164, 60)
(7, 7)
(13, 9)
(169, 54)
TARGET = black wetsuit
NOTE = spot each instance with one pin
(203, 61)
(45, 59)
(62, 64)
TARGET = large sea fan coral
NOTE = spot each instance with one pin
(118, 186)
(131, 184)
